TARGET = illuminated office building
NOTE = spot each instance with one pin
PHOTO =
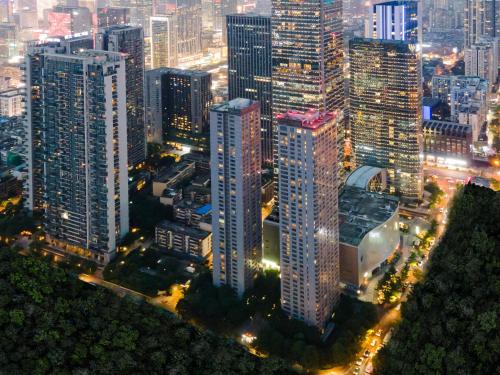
(249, 68)
(110, 16)
(163, 33)
(386, 118)
(236, 193)
(77, 163)
(179, 102)
(308, 205)
(395, 20)
(130, 40)
(308, 60)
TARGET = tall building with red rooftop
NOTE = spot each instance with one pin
(308, 209)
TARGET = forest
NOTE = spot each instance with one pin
(450, 324)
(52, 323)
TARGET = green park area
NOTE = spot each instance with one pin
(450, 321)
(147, 271)
(259, 312)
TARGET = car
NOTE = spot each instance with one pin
(366, 354)
(379, 333)
(374, 342)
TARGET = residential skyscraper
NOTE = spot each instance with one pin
(308, 205)
(396, 20)
(179, 102)
(481, 60)
(308, 60)
(130, 40)
(163, 33)
(249, 68)
(77, 147)
(236, 193)
(188, 13)
(386, 111)
(482, 19)
(69, 20)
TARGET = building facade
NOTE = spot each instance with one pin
(482, 19)
(110, 16)
(308, 208)
(386, 111)
(181, 100)
(12, 102)
(481, 60)
(130, 40)
(77, 147)
(308, 60)
(249, 68)
(447, 143)
(163, 34)
(395, 20)
(184, 240)
(236, 193)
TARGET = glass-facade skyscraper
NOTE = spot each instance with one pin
(396, 20)
(249, 68)
(308, 59)
(130, 40)
(386, 119)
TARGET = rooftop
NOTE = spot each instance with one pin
(362, 176)
(235, 105)
(180, 228)
(311, 119)
(361, 211)
(447, 128)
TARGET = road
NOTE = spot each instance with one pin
(166, 302)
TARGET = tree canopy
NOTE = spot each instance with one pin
(450, 323)
(50, 322)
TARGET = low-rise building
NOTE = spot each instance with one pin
(191, 213)
(173, 176)
(447, 142)
(185, 240)
(369, 233)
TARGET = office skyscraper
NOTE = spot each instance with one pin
(249, 68)
(236, 193)
(110, 16)
(308, 60)
(308, 204)
(188, 13)
(69, 20)
(395, 20)
(140, 11)
(482, 19)
(163, 33)
(386, 119)
(77, 147)
(130, 40)
(179, 101)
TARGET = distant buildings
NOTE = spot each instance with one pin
(163, 34)
(140, 11)
(308, 212)
(179, 100)
(467, 98)
(189, 25)
(236, 193)
(69, 20)
(110, 16)
(249, 68)
(481, 60)
(11, 102)
(386, 113)
(77, 163)
(395, 20)
(130, 40)
(482, 19)
(308, 61)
